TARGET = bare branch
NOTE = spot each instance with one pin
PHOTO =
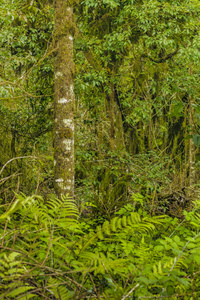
(20, 157)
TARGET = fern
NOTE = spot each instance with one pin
(42, 258)
(113, 224)
(101, 263)
(117, 231)
(62, 212)
(132, 224)
(11, 272)
(143, 253)
(19, 203)
(58, 289)
(64, 206)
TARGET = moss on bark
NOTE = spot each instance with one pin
(64, 99)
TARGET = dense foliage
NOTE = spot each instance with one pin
(46, 254)
(133, 230)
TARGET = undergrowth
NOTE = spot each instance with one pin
(48, 252)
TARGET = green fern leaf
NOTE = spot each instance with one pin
(18, 291)
(135, 218)
(58, 289)
(119, 223)
(106, 227)
(129, 220)
(100, 233)
(113, 224)
(155, 271)
(90, 238)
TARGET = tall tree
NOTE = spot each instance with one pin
(64, 99)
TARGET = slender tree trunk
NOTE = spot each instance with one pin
(64, 99)
(112, 117)
(191, 146)
(112, 109)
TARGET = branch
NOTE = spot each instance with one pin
(126, 296)
(15, 159)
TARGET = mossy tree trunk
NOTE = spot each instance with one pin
(191, 145)
(64, 99)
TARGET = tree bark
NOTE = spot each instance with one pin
(191, 145)
(64, 100)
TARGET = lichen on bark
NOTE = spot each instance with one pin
(64, 99)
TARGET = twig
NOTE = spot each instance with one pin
(110, 275)
(8, 177)
(94, 287)
(20, 157)
(126, 296)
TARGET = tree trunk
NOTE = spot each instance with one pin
(64, 100)
(112, 117)
(191, 145)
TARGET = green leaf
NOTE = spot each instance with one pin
(191, 245)
(142, 279)
(197, 108)
(196, 258)
(111, 3)
(170, 290)
(19, 290)
(158, 248)
(177, 239)
(177, 109)
(182, 280)
(196, 139)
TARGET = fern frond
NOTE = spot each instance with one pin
(119, 223)
(143, 253)
(132, 224)
(62, 213)
(135, 218)
(157, 220)
(176, 264)
(58, 289)
(106, 227)
(12, 273)
(100, 263)
(113, 224)
(64, 208)
(89, 239)
(100, 233)
(20, 202)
